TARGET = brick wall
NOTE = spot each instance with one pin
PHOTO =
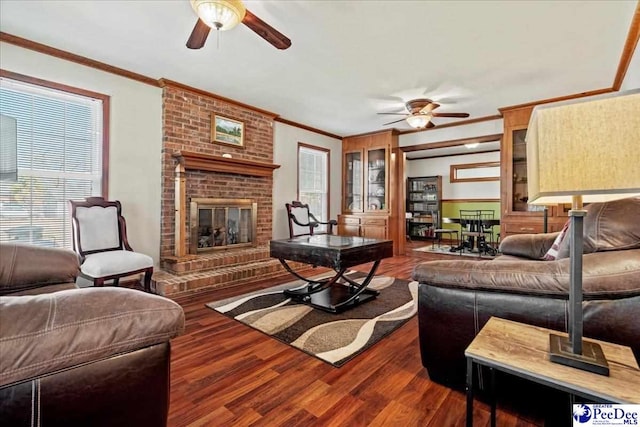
(187, 126)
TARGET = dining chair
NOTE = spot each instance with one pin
(471, 232)
(100, 239)
(487, 244)
(438, 231)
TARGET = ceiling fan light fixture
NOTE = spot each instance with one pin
(419, 121)
(219, 14)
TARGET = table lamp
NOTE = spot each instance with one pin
(583, 151)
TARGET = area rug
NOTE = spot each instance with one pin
(445, 250)
(333, 338)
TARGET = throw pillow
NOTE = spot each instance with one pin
(609, 226)
(552, 253)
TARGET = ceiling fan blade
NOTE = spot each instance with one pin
(396, 121)
(266, 31)
(198, 35)
(429, 107)
(430, 125)
(459, 115)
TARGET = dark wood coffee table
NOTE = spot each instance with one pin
(337, 293)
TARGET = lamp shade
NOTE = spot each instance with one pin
(419, 120)
(219, 14)
(588, 147)
(8, 148)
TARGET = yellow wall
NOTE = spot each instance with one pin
(451, 209)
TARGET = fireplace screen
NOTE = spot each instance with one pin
(222, 224)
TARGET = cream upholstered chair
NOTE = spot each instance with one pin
(100, 238)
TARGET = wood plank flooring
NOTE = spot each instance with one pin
(224, 373)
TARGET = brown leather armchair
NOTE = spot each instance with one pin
(79, 357)
(456, 298)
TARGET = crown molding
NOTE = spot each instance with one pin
(557, 99)
(163, 83)
(98, 65)
(305, 127)
(629, 48)
(72, 57)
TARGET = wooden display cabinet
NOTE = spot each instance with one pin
(518, 217)
(369, 192)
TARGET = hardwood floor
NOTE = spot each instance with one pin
(224, 373)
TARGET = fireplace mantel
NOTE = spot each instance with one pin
(206, 162)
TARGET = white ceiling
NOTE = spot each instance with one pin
(350, 60)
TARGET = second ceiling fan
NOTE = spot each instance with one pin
(420, 113)
(226, 14)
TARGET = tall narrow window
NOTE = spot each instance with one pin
(313, 179)
(59, 157)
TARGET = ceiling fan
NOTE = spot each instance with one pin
(226, 14)
(421, 113)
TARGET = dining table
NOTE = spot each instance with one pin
(470, 243)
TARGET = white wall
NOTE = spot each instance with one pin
(632, 78)
(440, 166)
(457, 190)
(135, 140)
(285, 186)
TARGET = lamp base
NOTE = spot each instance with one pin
(592, 358)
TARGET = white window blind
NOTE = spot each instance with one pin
(59, 156)
(313, 180)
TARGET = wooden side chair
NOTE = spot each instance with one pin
(304, 223)
(100, 238)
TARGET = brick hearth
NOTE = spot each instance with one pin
(218, 269)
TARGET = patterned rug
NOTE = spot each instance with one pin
(445, 250)
(333, 338)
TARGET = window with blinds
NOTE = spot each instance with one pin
(313, 180)
(58, 147)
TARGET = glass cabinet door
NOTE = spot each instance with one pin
(353, 181)
(376, 180)
(519, 181)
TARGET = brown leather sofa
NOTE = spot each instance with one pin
(457, 297)
(79, 357)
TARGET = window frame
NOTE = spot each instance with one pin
(100, 144)
(327, 153)
(485, 171)
(104, 183)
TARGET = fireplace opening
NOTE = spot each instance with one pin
(222, 224)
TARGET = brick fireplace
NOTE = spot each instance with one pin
(194, 169)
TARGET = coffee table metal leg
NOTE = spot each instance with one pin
(359, 288)
(336, 295)
(293, 272)
(469, 392)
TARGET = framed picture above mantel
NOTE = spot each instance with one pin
(227, 131)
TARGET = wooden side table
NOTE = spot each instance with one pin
(522, 350)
